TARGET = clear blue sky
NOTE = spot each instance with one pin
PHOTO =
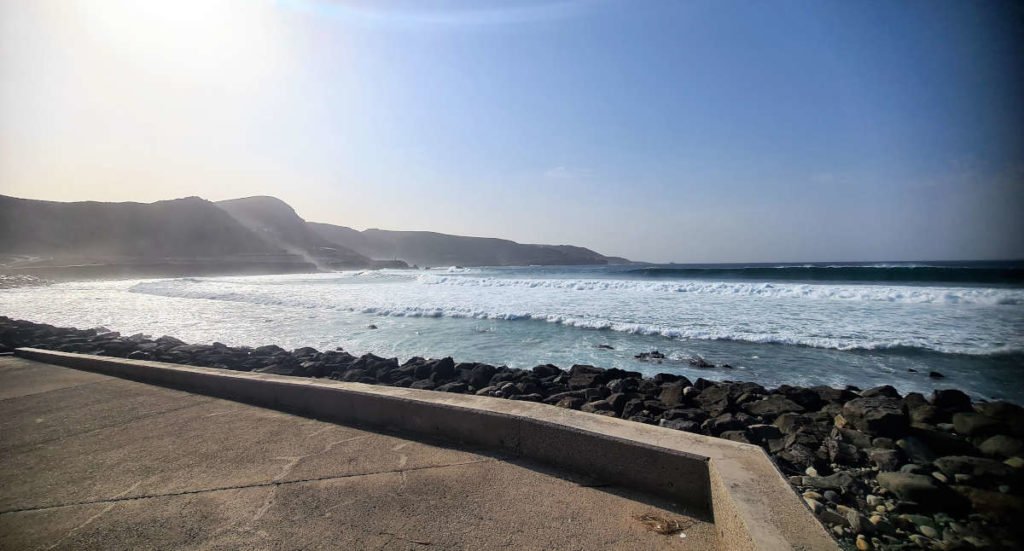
(664, 131)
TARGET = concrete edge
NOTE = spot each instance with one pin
(752, 504)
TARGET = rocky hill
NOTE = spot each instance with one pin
(425, 248)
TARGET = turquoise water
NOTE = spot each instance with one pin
(806, 325)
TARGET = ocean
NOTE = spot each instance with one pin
(809, 324)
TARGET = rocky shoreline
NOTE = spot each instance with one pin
(880, 470)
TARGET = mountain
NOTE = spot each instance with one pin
(438, 249)
(190, 227)
(253, 235)
(277, 223)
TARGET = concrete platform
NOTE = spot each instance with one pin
(89, 461)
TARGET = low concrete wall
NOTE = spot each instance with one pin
(737, 485)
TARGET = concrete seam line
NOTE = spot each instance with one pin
(242, 487)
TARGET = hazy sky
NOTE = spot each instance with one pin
(675, 130)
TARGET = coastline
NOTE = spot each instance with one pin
(879, 469)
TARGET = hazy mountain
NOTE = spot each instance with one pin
(277, 223)
(437, 249)
(193, 236)
(190, 227)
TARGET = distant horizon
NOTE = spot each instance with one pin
(680, 131)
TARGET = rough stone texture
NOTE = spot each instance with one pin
(880, 416)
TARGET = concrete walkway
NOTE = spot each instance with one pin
(89, 461)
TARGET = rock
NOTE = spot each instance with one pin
(481, 375)
(1016, 462)
(790, 422)
(952, 400)
(1009, 415)
(442, 369)
(605, 347)
(924, 491)
(862, 544)
(698, 361)
(571, 402)
(586, 376)
(596, 406)
(941, 443)
(371, 326)
(672, 394)
(648, 356)
(680, 424)
(916, 450)
(977, 467)
(839, 482)
(1004, 507)
(736, 436)
(884, 459)
(773, 406)
(974, 424)
(832, 518)
(1001, 446)
(456, 387)
(815, 506)
(859, 523)
(762, 433)
(881, 416)
(722, 423)
(546, 370)
(885, 391)
(928, 531)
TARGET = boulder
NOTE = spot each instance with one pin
(680, 424)
(877, 416)
(672, 394)
(886, 391)
(980, 468)
(922, 491)
(951, 400)
(974, 424)
(1001, 446)
(884, 459)
(586, 376)
(762, 433)
(773, 406)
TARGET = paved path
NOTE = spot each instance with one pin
(89, 461)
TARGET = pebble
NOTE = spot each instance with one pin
(811, 471)
(874, 500)
(940, 477)
(1015, 462)
(862, 543)
(1004, 488)
(815, 506)
(812, 495)
(928, 531)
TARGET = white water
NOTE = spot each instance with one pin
(773, 331)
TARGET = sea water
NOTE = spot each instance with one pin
(863, 325)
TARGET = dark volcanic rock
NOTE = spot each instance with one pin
(881, 416)
(773, 406)
(585, 376)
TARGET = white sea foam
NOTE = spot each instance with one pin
(876, 293)
(707, 311)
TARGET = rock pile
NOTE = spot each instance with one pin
(880, 470)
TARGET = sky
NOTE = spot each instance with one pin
(687, 131)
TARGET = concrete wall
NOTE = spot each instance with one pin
(737, 485)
